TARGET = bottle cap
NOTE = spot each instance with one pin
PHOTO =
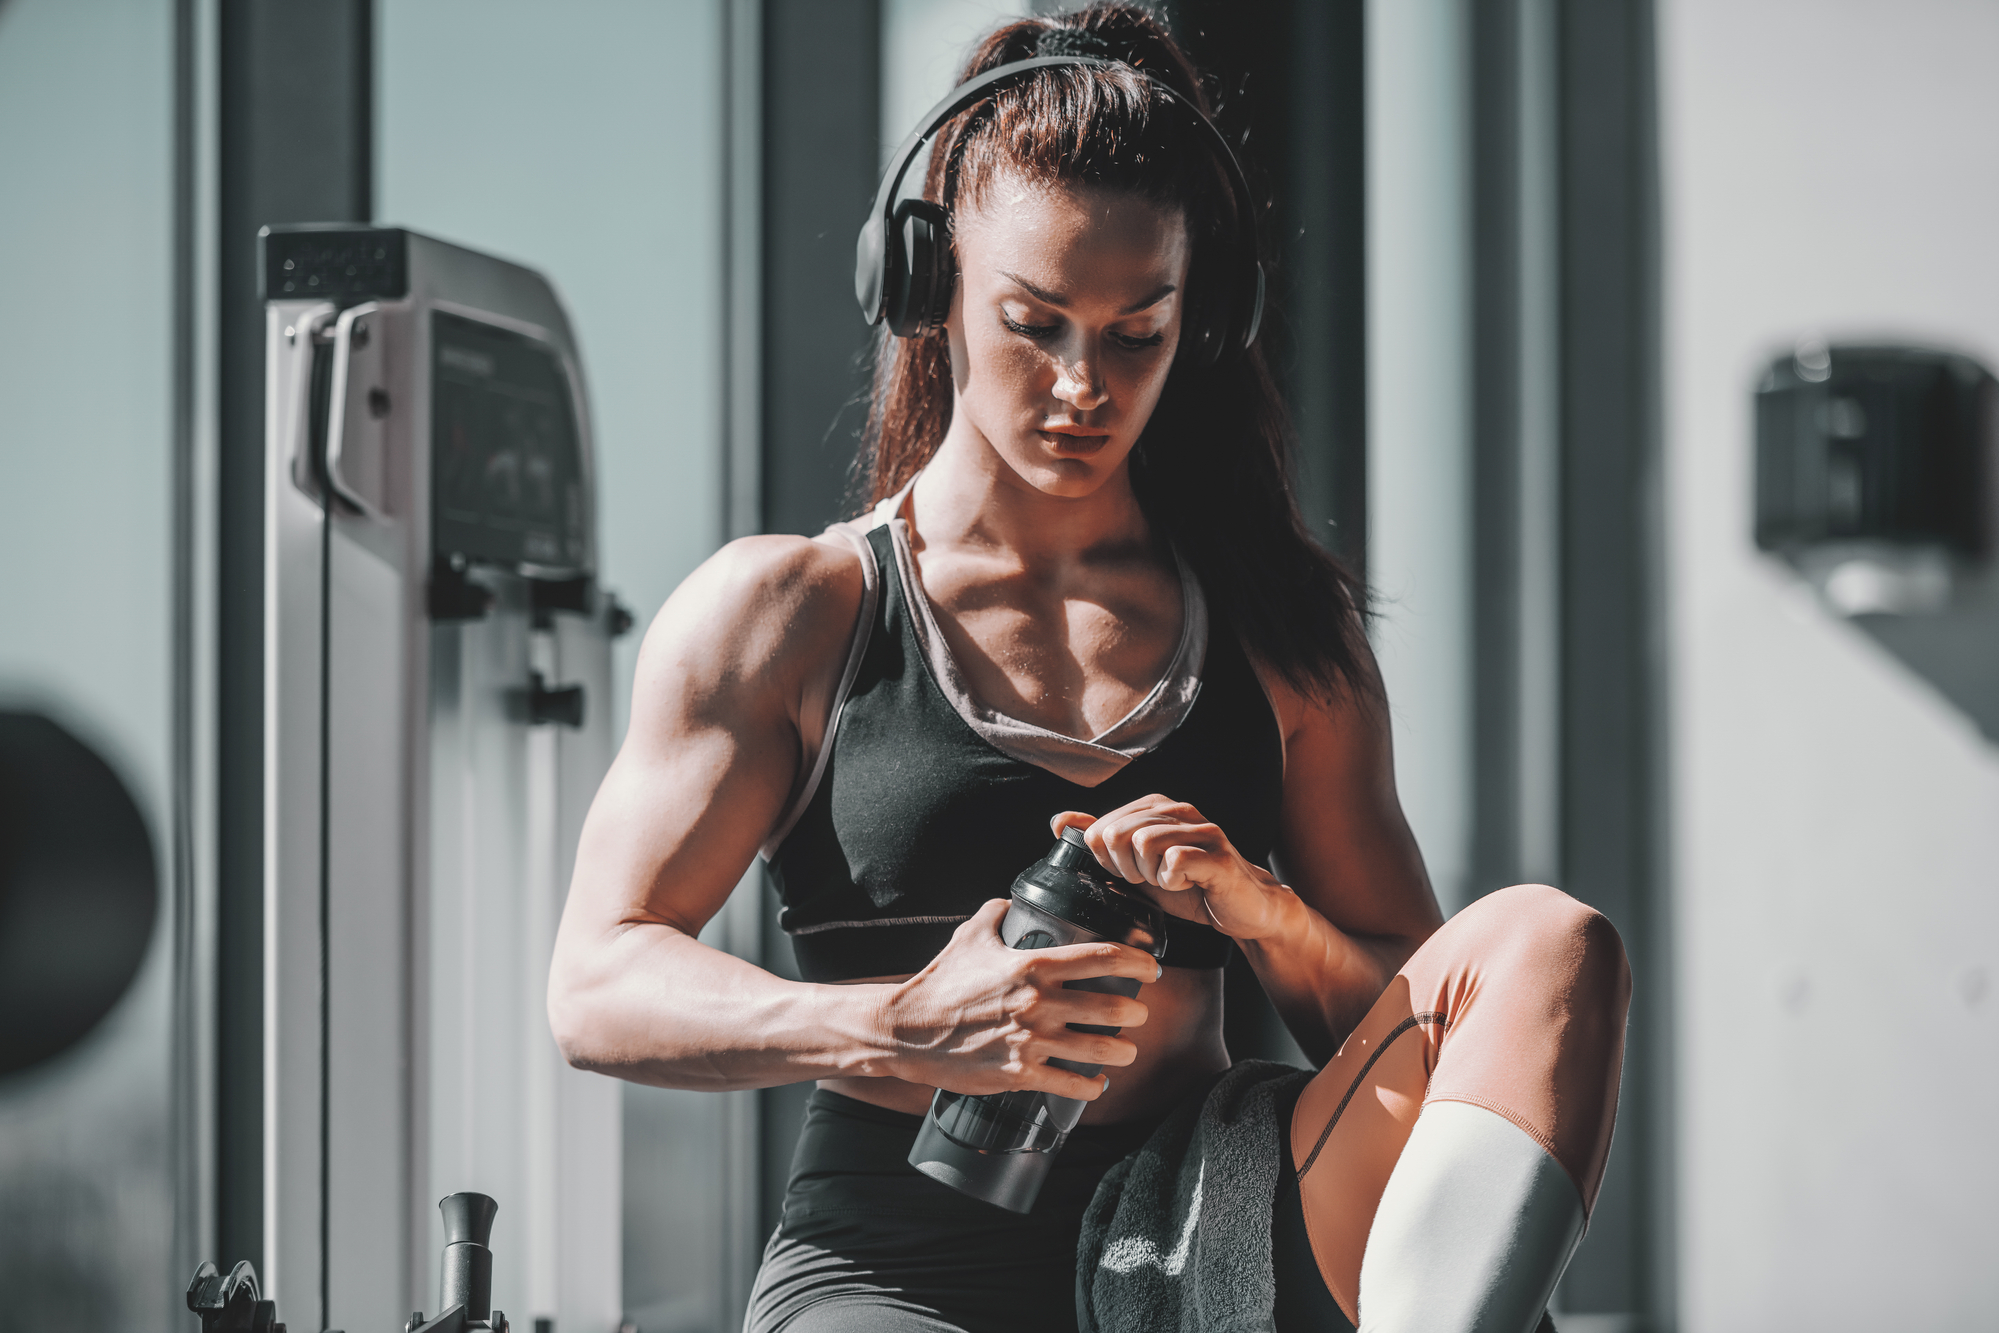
(1070, 885)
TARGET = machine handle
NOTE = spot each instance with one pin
(292, 365)
(336, 409)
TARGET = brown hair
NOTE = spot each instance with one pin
(1213, 469)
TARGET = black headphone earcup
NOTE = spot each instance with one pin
(943, 268)
(920, 271)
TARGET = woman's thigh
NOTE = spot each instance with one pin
(867, 1240)
(881, 1268)
(1517, 1005)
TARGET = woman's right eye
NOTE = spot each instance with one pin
(1035, 331)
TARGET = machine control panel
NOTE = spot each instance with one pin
(507, 480)
(339, 264)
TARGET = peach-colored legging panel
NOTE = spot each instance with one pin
(1516, 1004)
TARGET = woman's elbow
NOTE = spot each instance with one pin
(576, 1020)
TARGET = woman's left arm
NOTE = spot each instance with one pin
(1349, 901)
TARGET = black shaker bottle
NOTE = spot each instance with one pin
(1000, 1147)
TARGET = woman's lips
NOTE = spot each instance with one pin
(1074, 439)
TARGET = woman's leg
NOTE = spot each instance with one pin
(1448, 1155)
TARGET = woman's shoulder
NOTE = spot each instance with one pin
(780, 572)
(1355, 710)
(774, 609)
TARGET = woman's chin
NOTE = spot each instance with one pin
(1075, 468)
(1066, 479)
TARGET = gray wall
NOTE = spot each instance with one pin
(1830, 167)
(86, 610)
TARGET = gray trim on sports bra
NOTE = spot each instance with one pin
(856, 650)
(1087, 763)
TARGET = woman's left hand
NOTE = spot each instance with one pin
(1186, 864)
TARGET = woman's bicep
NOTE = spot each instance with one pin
(673, 828)
(712, 750)
(1344, 844)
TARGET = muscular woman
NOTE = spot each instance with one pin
(1082, 596)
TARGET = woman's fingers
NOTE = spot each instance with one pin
(1069, 819)
(1109, 836)
(1065, 1083)
(984, 923)
(1073, 962)
(1189, 865)
(1030, 1072)
(1086, 1048)
(1133, 840)
(1196, 848)
(982, 1006)
(1135, 835)
(1054, 1010)
(1184, 866)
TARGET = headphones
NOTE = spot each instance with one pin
(903, 272)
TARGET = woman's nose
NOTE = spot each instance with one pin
(1077, 384)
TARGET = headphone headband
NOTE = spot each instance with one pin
(878, 242)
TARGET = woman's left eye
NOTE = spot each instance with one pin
(1040, 332)
(1035, 331)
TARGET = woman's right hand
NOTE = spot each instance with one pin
(984, 1018)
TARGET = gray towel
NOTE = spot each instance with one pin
(1178, 1235)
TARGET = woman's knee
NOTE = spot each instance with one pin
(1548, 932)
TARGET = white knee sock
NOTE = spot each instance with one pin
(1475, 1227)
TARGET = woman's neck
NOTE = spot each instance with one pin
(968, 496)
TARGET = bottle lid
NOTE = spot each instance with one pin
(1070, 885)
(1073, 853)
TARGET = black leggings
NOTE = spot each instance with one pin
(868, 1243)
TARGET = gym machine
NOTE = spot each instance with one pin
(437, 719)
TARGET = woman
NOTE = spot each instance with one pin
(1083, 598)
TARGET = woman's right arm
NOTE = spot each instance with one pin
(737, 666)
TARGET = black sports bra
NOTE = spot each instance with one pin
(915, 812)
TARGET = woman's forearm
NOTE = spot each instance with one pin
(1321, 979)
(654, 1005)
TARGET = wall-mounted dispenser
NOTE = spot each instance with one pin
(1875, 455)
(1877, 480)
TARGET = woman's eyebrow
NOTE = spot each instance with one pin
(1160, 295)
(1062, 302)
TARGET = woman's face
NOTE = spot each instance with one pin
(1063, 326)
